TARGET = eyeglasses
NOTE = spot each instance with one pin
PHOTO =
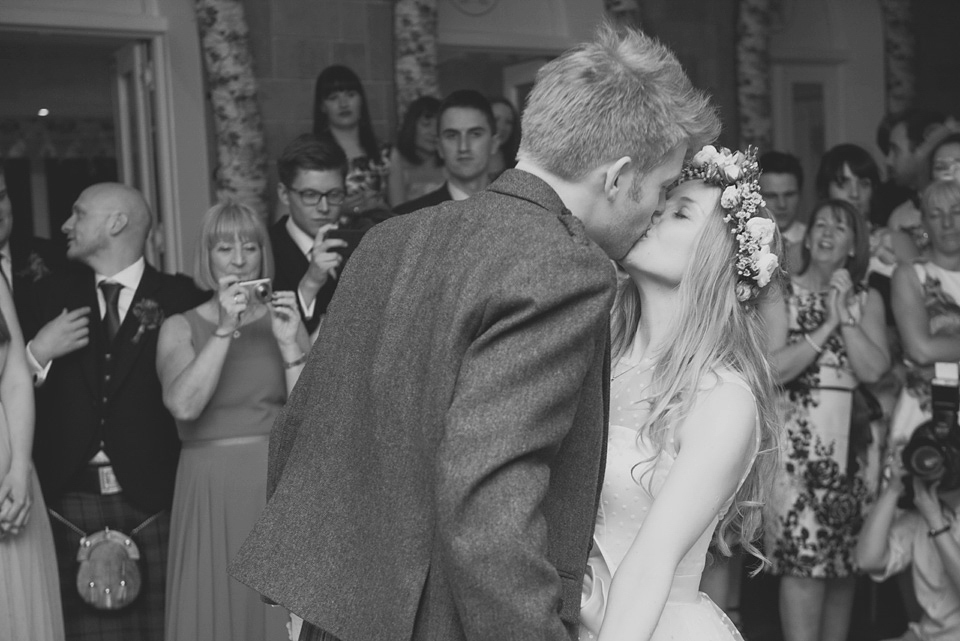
(312, 197)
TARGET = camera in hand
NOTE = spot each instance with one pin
(260, 289)
(933, 451)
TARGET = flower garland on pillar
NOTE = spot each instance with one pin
(753, 74)
(415, 55)
(898, 45)
(241, 154)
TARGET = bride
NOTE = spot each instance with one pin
(692, 435)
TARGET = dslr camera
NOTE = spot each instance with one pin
(260, 289)
(933, 451)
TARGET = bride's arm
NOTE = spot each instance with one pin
(716, 446)
(16, 396)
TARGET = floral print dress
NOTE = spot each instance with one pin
(941, 293)
(815, 510)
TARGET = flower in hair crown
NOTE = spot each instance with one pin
(737, 174)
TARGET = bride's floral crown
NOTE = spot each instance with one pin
(737, 174)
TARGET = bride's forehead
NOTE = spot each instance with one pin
(696, 190)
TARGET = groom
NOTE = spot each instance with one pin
(436, 471)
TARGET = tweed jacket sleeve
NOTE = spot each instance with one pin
(514, 403)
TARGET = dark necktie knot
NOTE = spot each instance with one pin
(111, 296)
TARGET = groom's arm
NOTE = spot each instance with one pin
(515, 399)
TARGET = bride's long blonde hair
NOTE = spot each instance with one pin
(712, 331)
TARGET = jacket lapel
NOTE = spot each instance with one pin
(125, 348)
(86, 296)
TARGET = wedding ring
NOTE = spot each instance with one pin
(238, 298)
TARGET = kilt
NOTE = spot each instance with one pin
(311, 633)
(143, 619)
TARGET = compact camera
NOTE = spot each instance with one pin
(261, 289)
(933, 451)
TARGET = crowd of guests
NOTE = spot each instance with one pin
(155, 394)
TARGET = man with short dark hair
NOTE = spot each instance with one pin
(466, 138)
(780, 185)
(312, 176)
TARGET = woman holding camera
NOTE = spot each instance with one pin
(926, 305)
(827, 336)
(928, 539)
(226, 368)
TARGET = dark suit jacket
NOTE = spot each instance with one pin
(435, 473)
(427, 200)
(289, 267)
(76, 409)
(31, 259)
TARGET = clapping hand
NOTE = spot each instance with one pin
(842, 304)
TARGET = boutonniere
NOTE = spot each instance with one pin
(150, 315)
(35, 268)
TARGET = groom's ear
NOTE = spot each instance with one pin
(615, 177)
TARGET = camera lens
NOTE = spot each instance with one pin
(262, 292)
(927, 463)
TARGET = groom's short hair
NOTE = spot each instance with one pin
(622, 94)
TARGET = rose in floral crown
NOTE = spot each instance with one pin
(737, 174)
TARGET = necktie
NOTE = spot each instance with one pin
(111, 294)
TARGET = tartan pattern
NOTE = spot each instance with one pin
(311, 633)
(143, 619)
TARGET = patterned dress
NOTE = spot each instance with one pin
(815, 511)
(941, 293)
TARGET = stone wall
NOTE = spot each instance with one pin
(293, 40)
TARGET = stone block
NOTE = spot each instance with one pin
(316, 18)
(286, 99)
(380, 34)
(353, 55)
(302, 58)
(257, 13)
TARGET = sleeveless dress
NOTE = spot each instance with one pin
(221, 488)
(689, 615)
(816, 508)
(941, 297)
(29, 582)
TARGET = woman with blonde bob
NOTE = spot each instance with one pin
(226, 368)
(693, 433)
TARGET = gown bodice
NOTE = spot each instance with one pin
(635, 472)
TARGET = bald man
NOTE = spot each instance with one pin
(106, 449)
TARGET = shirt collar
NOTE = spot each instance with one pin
(456, 193)
(128, 277)
(300, 237)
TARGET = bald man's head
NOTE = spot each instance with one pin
(109, 221)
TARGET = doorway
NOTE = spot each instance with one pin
(75, 111)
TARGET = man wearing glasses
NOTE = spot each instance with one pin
(312, 174)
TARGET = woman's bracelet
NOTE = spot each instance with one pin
(935, 533)
(292, 364)
(219, 335)
(816, 348)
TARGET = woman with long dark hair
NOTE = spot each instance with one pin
(341, 114)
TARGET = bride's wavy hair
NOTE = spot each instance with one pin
(713, 331)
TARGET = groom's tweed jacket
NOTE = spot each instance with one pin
(435, 473)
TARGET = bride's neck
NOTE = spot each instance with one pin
(658, 308)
